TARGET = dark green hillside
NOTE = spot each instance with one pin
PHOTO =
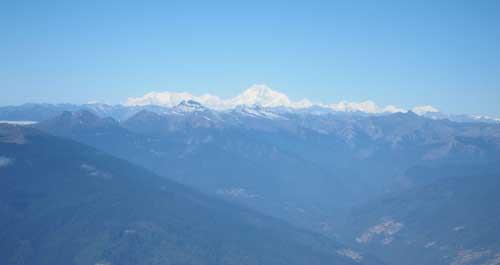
(64, 203)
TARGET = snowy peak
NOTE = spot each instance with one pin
(261, 95)
(264, 96)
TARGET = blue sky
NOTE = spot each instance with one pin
(444, 53)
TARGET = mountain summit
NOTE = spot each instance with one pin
(263, 95)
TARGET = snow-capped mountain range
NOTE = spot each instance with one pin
(264, 96)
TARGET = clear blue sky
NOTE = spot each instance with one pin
(444, 53)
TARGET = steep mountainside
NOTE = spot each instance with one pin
(64, 203)
(225, 162)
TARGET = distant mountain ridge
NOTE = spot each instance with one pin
(257, 97)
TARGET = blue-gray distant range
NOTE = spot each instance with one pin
(282, 183)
